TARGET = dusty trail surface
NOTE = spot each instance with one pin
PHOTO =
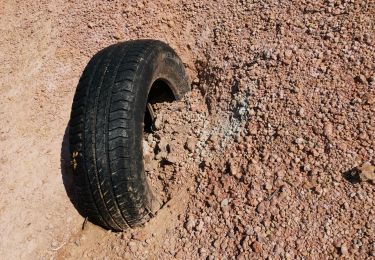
(271, 154)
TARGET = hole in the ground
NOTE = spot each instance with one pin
(160, 92)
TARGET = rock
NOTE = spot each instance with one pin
(146, 148)
(224, 203)
(132, 246)
(196, 81)
(253, 129)
(54, 244)
(163, 145)
(268, 186)
(151, 165)
(361, 79)
(172, 158)
(300, 140)
(190, 144)
(117, 36)
(256, 247)
(201, 251)
(233, 169)
(367, 172)
(343, 249)
(263, 206)
(190, 223)
(214, 138)
(140, 235)
(288, 54)
(199, 226)
(161, 155)
(328, 130)
(158, 124)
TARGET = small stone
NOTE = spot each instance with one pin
(233, 169)
(90, 25)
(200, 225)
(263, 206)
(361, 79)
(288, 54)
(318, 190)
(328, 130)
(158, 124)
(190, 223)
(117, 36)
(343, 250)
(161, 155)
(172, 158)
(279, 183)
(201, 251)
(132, 246)
(190, 144)
(214, 138)
(224, 203)
(163, 145)
(367, 172)
(146, 148)
(140, 235)
(151, 165)
(256, 247)
(300, 140)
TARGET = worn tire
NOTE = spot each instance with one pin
(106, 129)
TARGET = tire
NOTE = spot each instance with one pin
(106, 129)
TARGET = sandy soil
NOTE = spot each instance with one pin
(279, 162)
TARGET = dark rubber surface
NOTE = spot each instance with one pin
(106, 129)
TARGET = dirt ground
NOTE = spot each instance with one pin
(270, 156)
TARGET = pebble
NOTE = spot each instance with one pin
(288, 54)
(158, 124)
(256, 247)
(367, 172)
(263, 206)
(361, 79)
(191, 144)
(343, 249)
(163, 145)
(199, 226)
(146, 148)
(224, 203)
(190, 223)
(300, 140)
(132, 246)
(328, 130)
(140, 235)
(172, 158)
(201, 251)
(214, 138)
(233, 169)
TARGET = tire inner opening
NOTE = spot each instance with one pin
(160, 92)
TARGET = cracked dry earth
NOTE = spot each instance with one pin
(270, 156)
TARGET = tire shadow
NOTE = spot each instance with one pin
(67, 172)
